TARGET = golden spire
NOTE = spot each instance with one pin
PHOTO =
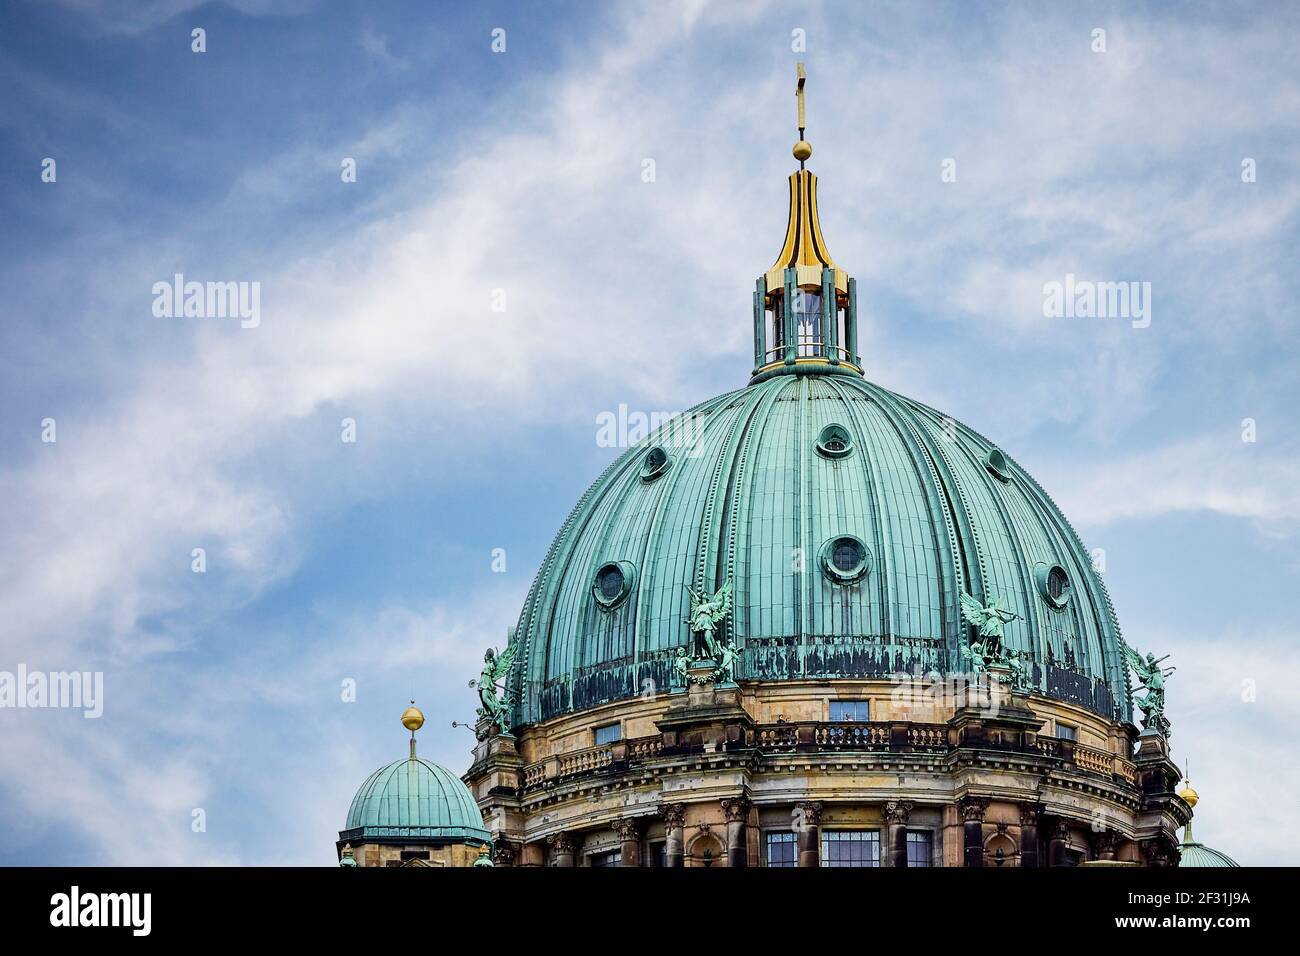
(1190, 796)
(804, 247)
(412, 720)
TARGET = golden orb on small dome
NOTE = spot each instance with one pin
(802, 150)
(412, 718)
(1189, 795)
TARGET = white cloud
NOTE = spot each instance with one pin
(1218, 473)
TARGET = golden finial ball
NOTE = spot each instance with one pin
(412, 719)
(802, 150)
(1189, 795)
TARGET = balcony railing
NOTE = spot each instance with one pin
(811, 737)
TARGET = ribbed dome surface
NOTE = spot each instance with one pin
(751, 498)
(418, 799)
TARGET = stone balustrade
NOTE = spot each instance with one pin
(813, 736)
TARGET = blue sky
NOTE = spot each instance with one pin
(476, 429)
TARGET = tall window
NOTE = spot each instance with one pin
(612, 858)
(782, 850)
(854, 710)
(920, 848)
(850, 848)
(608, 734)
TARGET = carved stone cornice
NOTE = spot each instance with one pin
(736, 809)
(629, 828)
(562, 843)
(673, 814)
(898, 811)
(973, 808)
(811, 812)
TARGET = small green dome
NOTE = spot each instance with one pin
(413, 800)
(1198, 854)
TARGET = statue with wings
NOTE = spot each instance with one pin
(986, 651)
(494, 699)
(987, 621)
(707, 616)
(1152, 678)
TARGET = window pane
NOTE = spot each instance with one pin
(613, 858)
(920, 849)
(850, 848)
(1065, 732)
(609, 734)
(782, 849)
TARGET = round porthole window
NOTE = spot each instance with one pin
(654, 464)
(1053, 584)
(834, 441)
(845, 559)
(996, 463)
(613, 583)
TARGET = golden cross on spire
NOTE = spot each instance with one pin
(802, 149)
(802, 76)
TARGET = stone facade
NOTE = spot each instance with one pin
(760, 775)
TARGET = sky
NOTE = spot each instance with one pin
(502, 271)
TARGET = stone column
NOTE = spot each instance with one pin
(1029, 816)
(894, 851)
(736, 810)
(810, 832)
(972, 815)
(1060, 832)
(629, 835)
(563, 847)
(674, 817)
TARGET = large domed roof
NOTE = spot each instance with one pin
(415, 800)
(849, 519)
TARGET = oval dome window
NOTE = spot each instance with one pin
(845, 559)
(655, 463)
(612, 584)
(996, 463)
(1053, 584)
(834, 441)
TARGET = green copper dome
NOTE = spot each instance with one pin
(413, 801)
(1198, 854)
(846, 522)
(849, 519)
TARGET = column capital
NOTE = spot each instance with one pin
(736, 809)
(1105, 843)
(897, 811)
(504, 852)
(673, 814)
(628, 828)
(810, 812)
(973, 808)
(1030, 814)
(562, 842)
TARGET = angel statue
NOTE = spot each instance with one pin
(495, 700)
(706, 616)
(987, 621)
(986, 651)
(1152, 677)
